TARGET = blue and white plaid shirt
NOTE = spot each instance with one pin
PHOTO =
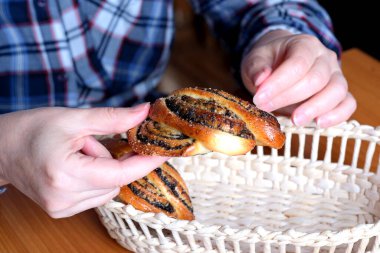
(81, 53)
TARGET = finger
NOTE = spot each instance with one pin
(323, 102)
(109, 120)
(82, 195)
(314, 81)
(108, 173)
(339, 114)
(85, 205)
(295, 66)
(58, 200)
(256, 68)
(92, 147)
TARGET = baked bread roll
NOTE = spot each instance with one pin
(117, 146)
(163, 190)
(195, 121)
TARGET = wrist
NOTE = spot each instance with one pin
(2, 178)
(2, 154)
(273, 35)
(3, 182)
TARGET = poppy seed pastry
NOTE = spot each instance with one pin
(194, 121)
(161, 191)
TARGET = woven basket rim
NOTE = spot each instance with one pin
(349, 128)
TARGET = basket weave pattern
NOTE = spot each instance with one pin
(321, 193)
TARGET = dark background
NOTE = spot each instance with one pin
(356, 24)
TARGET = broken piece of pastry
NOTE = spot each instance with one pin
(162, 190)
(194, 121)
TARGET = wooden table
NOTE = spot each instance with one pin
(363, 75)
(24, 227)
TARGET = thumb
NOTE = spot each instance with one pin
(109, 120)
(108, 173)
(256, 68)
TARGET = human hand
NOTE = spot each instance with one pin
(51, 156)
(299, 75)
(3, 182)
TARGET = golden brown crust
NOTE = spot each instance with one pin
(118, 147)
(264, 126)
(162, 190)
(208, 137)
(163, 145)
(212, 120)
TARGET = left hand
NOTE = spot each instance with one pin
(297, 74)
(51, 155)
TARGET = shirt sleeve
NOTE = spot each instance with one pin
(239, 23)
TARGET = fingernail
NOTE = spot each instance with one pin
(261, 76)
(300, 119)
(260, 98)
(139, 107)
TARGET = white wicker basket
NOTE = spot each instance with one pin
(318, 194)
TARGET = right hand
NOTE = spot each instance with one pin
(51, 156)
(297, 74)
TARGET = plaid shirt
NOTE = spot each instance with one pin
(82, 53)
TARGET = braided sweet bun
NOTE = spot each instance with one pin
(163, 190)
(194, 121)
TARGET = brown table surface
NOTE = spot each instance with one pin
(24, 227)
